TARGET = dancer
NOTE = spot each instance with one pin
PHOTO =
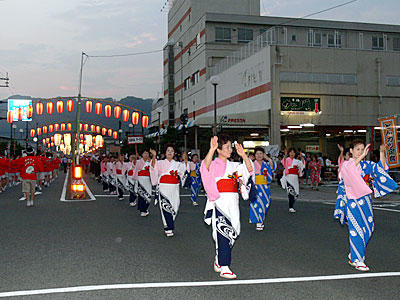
(290, 180)
(315, 167)
(143, 187)
(104, 173)
(222, 179)
(131, 182)
(360, 178)
(164, 173)
(341, 200)
(263, 173)
(195, 178)
(111, 178)
(120, 168)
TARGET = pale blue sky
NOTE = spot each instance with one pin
(41, 41)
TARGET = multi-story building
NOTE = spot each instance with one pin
(280, 79)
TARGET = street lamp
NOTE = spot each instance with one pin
(215, 81)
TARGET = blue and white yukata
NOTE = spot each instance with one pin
(341, 202)
(262, 179)
(195, 178)
(359, 210)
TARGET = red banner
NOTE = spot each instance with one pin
(389, 138)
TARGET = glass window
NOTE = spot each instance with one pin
(331, 40)
(396, 44)
(223, 34)
(338, 39)
(245, 35)
(317, 39)
(293, 37)
(377, 42)
(310, 38)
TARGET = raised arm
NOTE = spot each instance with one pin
(209, 157)
(382, 155)
(153, 158)
(243, 155)
(362, 156)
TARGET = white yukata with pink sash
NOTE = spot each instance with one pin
(143, 187)
(165, 174)
(222, 207)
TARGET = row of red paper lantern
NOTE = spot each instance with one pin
(98, 108)
(68, 126)
(49, 140)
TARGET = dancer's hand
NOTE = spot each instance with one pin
(340, 148)
(153, 153)
(366, 150)
(382, 148)
(240, 150)
(214, 143)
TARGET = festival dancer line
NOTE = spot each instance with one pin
(290, 180)
(130, 180)
(222, 179)
(104, 173)
(195, 178)
(111, 176)
(143, 187)
(264, 167)
(120, 168)
(360, 178)
(164, 173)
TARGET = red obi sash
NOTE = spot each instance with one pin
(119, 172)
(144, 173)
(171, 178)
(130, 173)
(227, 186)
(294, 171)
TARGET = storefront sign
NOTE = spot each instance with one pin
(300, 104)
(227, 120)
(135, 139)
(312, 148)
(389, 138)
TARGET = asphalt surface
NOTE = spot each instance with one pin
(105, 242)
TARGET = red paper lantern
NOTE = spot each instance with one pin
(70, 105)
(50, 107)
(80, 126)
(98, 129)
(44, 129)
(69, 126)
(117, 112)
(39, 131)
(107, 110)
(89, 106)
(92, 128)
(86, 127)
(52, 139)
(145, 121)
(125, 115)
(110, 132)
(39, 108)
(135, 118)
(52, 144)
(44, 141)
(56, 127)
(104, 131)
(81, 136)
(60, 106)
(32, 132)
(62, 127)
(29, 112)
(98, 108)
(47, 140)
(10, 117)
(20, 113)
(51, 128)
(115, 135)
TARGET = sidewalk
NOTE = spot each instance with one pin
(325, 193)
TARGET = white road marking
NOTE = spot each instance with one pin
(64, 191)
(387, 209)
(194, 284)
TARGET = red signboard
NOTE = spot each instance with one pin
(389, 138)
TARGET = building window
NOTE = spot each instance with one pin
(393, 80)
(187, 83)
(195, 78)
(327, 78)
(334, 40)
(377, 42)
(223, 34)
(245, 35)
(262, 30)
(293, 37)
(396, 44)
(314, 39)
(361, 40)
(317, 39)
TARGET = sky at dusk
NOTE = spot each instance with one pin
(41, 42)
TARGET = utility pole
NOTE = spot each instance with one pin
(76, 132)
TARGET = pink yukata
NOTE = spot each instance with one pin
(221, 183)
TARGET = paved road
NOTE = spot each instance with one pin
(106, 242)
